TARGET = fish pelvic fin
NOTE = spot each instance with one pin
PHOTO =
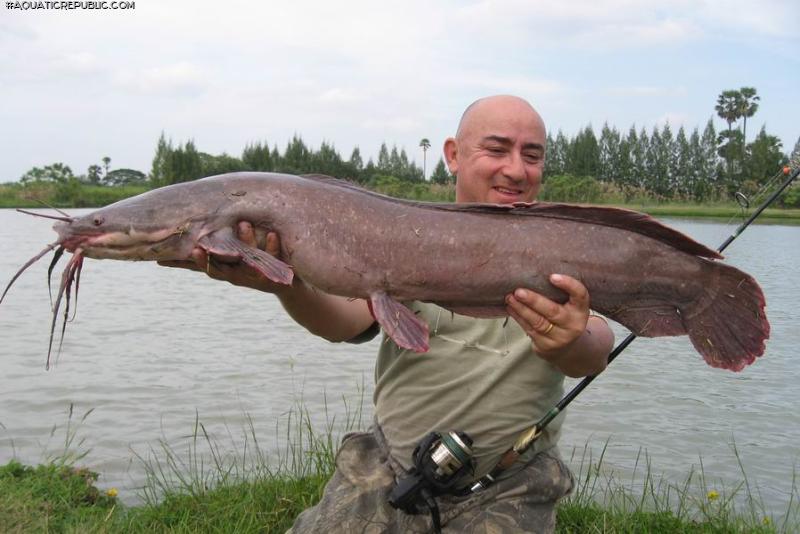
(223, 243)
(399, 323)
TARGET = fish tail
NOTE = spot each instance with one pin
(729, 328)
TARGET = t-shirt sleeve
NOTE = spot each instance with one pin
(366, 335)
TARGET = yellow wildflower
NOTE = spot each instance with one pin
(112, 492)
(713, 495)
(766, 521)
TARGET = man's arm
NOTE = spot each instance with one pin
(564, 334)
(332, 317)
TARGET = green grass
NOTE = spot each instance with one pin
(55, 498)
(603, 502)
(208, 487)
(37, 195)
(731, 211)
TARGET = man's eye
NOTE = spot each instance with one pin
(531, 158)
(495, 150)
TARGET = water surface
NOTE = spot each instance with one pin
(151, 348)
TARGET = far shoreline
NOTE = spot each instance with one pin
(40, 196)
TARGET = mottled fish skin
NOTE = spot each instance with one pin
(351, 242)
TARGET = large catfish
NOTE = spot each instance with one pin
(465, 257)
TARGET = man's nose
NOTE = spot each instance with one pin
(515, 167)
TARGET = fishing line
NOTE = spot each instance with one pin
(756, 198)
(529, 436)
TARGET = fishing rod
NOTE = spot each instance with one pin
(529, 436)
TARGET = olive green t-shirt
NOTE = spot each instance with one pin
(479, 377)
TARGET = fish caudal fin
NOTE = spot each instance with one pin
(725, 322)
(223, 243)
(399, 323)
(729, 327)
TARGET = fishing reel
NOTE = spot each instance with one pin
(440, 460)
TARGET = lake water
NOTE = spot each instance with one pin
(151, 348)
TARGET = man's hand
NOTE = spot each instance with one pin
(563, 334)
(333, 317)
(237, 273)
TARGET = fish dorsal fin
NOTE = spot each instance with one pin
(630, 220)
(336, 181)
(624, 219)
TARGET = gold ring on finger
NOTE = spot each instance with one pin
(547, 330)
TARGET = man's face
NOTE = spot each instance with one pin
(498, 155)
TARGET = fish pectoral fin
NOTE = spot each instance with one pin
(225, 245)
(399, 323)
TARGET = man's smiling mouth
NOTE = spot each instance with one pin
(506, 191)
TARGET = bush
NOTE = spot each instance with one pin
(791, 197)
(567, 188)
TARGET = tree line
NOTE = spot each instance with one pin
(174, 163)
(660, 163)
(696, 166)
(62, 174)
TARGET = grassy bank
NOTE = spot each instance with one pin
(206, 490)
(63, 499)
(722, 212)
(68, 195)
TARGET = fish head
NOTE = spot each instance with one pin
(151, 227)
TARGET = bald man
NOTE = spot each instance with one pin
(480, 376)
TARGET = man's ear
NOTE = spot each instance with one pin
(451, 155)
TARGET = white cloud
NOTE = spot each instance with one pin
(78, 63)
(359, 72)
(20, 31)
(598, 24)
(530, 86)
(340, 95)
(624, 24)
(674, 119)
(648, 91)
(392, 124)
(646, 33)
(763, 18)
(176, 79)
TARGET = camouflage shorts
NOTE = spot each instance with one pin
(355, 499)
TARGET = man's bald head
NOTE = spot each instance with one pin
(495, 105)
(497, 154)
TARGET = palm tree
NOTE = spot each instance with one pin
(728, 108)
(425, 144)
(748, 106)
(106, 163)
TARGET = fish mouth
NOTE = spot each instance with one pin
(126, 243)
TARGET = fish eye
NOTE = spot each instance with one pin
(98, 221)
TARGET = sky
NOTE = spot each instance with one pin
(78, 85)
